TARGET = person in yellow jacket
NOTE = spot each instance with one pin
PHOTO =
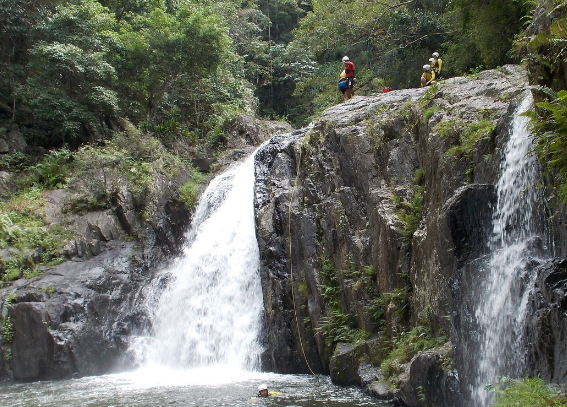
(343, 84)
(428, 76)
(436, 64)
(263, 391)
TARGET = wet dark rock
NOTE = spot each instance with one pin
(344, 365)
(32, 348)
(469, 217)
(15, 140)
(331, 198)
(547, 327)
(76, 318)
(430, 382)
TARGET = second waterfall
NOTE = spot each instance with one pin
(518, 240)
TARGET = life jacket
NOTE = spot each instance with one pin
(428, 76)
(349, 69)
(438, 65)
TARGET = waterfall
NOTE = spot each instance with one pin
(209, 313)
(516, 242)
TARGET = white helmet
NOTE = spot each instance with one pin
(435, 54)
(431, 59)
(426, 67)
(262, 387)
(345, 58)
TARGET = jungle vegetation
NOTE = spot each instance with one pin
(185, 68)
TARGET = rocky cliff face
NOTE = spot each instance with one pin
(387, 197)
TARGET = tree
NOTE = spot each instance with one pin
(483, 31)
(17, 21)
(162, 51)
(68, 86)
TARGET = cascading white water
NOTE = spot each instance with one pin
(209, 314)
(502, 298)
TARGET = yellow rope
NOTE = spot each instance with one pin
(291, 261)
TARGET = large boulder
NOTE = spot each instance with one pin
(430, 381)
(33, 345)
(547, 326)
(76, 318)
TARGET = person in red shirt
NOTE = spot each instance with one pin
(349, 71)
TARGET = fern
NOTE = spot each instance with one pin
(549, 124)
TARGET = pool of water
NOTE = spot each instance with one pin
(200, 387)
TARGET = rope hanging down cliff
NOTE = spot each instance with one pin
(291, 260)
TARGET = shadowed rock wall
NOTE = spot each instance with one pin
(389, 192)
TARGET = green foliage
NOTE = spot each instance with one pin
(97, 170)
(549, 124)
(168, 65)
(51, 172)
(398, 299)
(429, 95)
(548, 48)
(6, 330)
(129, 162)
(23, 228)
(406, 345)
(189, 192)
(315, 92)
(68, 83)
(531, 392)
(470, 136)
(448, 128)
(82, 204)
(166, 56)
(483, 31)
(410, 209)
(408, 112)
(14, 162)
(387, 41)
(339, 327)
(183, 69)
(49, 290)
(329, 286)
(303, 290)
(419, 177)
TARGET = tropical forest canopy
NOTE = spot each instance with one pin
(187, 68)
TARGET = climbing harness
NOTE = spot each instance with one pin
(291, 261)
